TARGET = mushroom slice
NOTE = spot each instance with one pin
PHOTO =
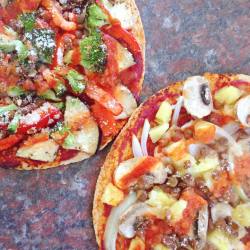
(128, 218)
(124, 96)
(243, 111)
(202, 227)
(127, 173)
(197, 96)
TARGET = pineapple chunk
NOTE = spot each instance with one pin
(228, 95)
(207, 164)
(177, 209)
(157, 132)
(223, 241)
(160, 247)
(241, 214)
(112, 195)
(220, 240)
(177, 150)
(229, 110)
(204, 131)
(137, 244)
(160, 199)
(164, 113)
(124, 58)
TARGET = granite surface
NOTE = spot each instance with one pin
(52, 209)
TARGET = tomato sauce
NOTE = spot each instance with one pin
(155, 232)
(195, 202)
(66, 154)
(142, 168)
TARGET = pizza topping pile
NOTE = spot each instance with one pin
(67, 69)
(192, 191)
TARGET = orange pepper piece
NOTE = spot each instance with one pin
(204, 131)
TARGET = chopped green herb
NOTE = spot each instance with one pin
(8, 46)
(4, 109)
(50, 95)
(69, 141)
(43, 40)
(28, 20)
(76, 81)
(93, 52)
(95, 16)
(60, 88)
(15, 91)
(59, 105)
(60, 127)
(13, 125)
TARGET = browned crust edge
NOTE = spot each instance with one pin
(115, 155)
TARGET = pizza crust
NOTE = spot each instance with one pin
(121, 149)
(138, 32)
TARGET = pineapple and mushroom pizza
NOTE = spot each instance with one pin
(71, 73)
(178, 175)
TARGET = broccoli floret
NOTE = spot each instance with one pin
(95, 16)
(43, 40)
(93, 52)
(76, 81)
(28, 20)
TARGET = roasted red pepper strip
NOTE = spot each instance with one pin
(10, 141)
(105, 120)
(59, 51)
(133, 74)
(103, 98)
(42, 117)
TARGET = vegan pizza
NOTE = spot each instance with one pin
(178, 175)
(70, 75)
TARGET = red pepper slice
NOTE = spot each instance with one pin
(105, 120)
(58, 55)
(104, 99)
(10, 141)
(29, 5)
(46, 115)
(133, 74)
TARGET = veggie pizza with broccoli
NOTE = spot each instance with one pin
(178, 175)
(70, 76)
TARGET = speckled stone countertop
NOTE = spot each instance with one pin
(52, 209)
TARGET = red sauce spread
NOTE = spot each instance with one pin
(143, 167)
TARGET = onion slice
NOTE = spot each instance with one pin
(59, 56)
(136, 147)
(144, 137)
(223, 133)
(177, 110)
(202, 227)
(231, 128)
(111, 229)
